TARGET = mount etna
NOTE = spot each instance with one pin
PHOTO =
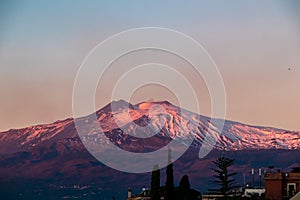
(49, 161)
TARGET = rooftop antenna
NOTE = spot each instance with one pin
(259, 173)
(244, 178)
(252, 172)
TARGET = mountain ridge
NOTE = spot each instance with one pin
(49, 161)
(171, 120)
(122, 100)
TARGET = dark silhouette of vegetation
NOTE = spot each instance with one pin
(169, 188)
(184, 191)
(223, 177)
(296, 170)
(195, 195)
(155, 183)
(169, 192)
(271, 167)
(184, 187)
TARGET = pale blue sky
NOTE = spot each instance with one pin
(42, 44)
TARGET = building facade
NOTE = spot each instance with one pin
(280, 185)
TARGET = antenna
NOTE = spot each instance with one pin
(252, 172)
(244, 178)
(259, 173)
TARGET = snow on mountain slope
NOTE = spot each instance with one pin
(162, 117)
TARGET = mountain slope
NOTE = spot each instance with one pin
(164, 117)
(50, 161)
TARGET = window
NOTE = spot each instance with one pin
(291, 188)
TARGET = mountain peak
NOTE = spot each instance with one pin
(123, 104)
(148, 104)
(160, 115)
(120, 102)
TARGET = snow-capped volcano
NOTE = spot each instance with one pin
(49, 156)
(172, 121)
(125, 124)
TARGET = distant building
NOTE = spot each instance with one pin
(218, 196)
(212, 196)
(143, 195)
(251, 192)
(280, 185)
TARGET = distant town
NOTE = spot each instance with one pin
(272, 185)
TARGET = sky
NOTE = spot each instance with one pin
(253, 43)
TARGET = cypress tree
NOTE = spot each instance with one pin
(169, 189)
(184, 188)
(155, 183)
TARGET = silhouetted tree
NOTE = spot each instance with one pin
(271, 167)
(155, 183)
(195, 195)
(169, 189)
(296, 170)
(223, 178)
(184, 191)
(184, 188)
